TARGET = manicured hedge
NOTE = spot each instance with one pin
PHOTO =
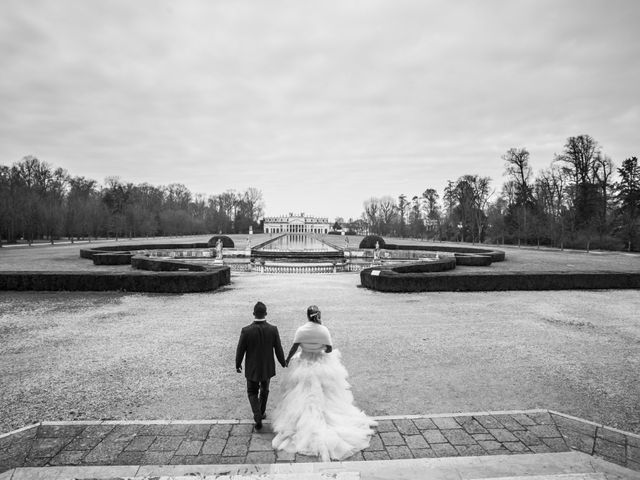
(112, 258)
(135, 281)
(226, 241)
(473, 260)
(390, 280)
(142, 262)
(370, 242)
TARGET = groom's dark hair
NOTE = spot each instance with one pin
(260, 310)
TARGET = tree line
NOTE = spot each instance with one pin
(39, 202)
(582, 200)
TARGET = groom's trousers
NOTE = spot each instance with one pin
(257, 400)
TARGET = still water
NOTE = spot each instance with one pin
(297, 242)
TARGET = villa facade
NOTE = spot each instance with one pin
(296, 223)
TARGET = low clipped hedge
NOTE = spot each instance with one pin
(391, 280)
(226, 241)
(473, 260)
(141, 262)
(112, 258)
(370, 242)
(135, 281)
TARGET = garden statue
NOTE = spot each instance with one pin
(376, 252)
(219, 249)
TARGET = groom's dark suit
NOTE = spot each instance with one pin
(258, 342)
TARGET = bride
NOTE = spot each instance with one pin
(316, 415)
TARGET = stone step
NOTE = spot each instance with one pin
(559, 476)
(257, 476)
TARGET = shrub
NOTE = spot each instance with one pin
(370, 241)
(333, 232)
(226, 241)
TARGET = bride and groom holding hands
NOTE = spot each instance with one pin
(316, 415)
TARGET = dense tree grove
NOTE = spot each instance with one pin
(578, 202)
(39, 202)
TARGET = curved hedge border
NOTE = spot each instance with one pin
(90, 253)
(226, 241)
(136, 281)
(420, 280)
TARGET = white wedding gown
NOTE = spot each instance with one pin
(316, 414)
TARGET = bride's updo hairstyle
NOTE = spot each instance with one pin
(313, 314)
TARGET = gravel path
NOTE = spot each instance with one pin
(143, 356)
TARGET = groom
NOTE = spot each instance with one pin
(258, 342)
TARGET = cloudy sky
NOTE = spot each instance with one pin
(320, 104)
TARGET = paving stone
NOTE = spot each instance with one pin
(306, 459)
(236, 446)
(386, 426)
(205, 460)
(232, 460)
(556, 444)
(487, 421)
(444, 450)
(213, 446)
(503, 435)
(406, 427)
(399, 452)
(482, 436)
(165, 443)
(175, 429)
(151, 430)
(382, 455)
(122, 437)
(578, 441)
(434, 436)
(415, 441)
(282, 456)
(516, 447)
(541, 418)
(126, 430)
(446, 423)
(140, 443)
(47, 447)
(261, 442)
(424, 424)
(33, 462)
(612, 436)
(458, 437)
(633, 440)
(157, 458)
(577, 425)
(103, 454)
(47, 431)
(522, 419)
(471, 425)
(261, 457)
(470, 450)
(198, 432)
(375, 444)
(356, 457)
(130, 458)
(68, 457)
(542, 448)
(509, 422)
(544, 431)
(423, 453)
(189, 447)
(610, 450)
(83, 443)
(500, 451)
(633, 465)
(220, 430)
(392, 438)
(242, 429)
(22, 436)
(633, 453)
(489, 445)
(527, 438)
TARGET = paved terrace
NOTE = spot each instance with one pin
(109, 443)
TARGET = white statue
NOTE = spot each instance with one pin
(219, 249)
(376, 252)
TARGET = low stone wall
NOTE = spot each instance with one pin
(135, 281)
(496, 255)
(392, 280)
(141, 262)
(89, 253)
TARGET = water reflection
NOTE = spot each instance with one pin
(300, 242)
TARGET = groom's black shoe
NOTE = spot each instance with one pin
(264, 415)
(258, 425)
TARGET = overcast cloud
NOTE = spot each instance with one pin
(318, 104)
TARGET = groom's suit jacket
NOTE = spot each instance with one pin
(258, 342)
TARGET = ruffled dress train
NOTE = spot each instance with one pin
(316, 415)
